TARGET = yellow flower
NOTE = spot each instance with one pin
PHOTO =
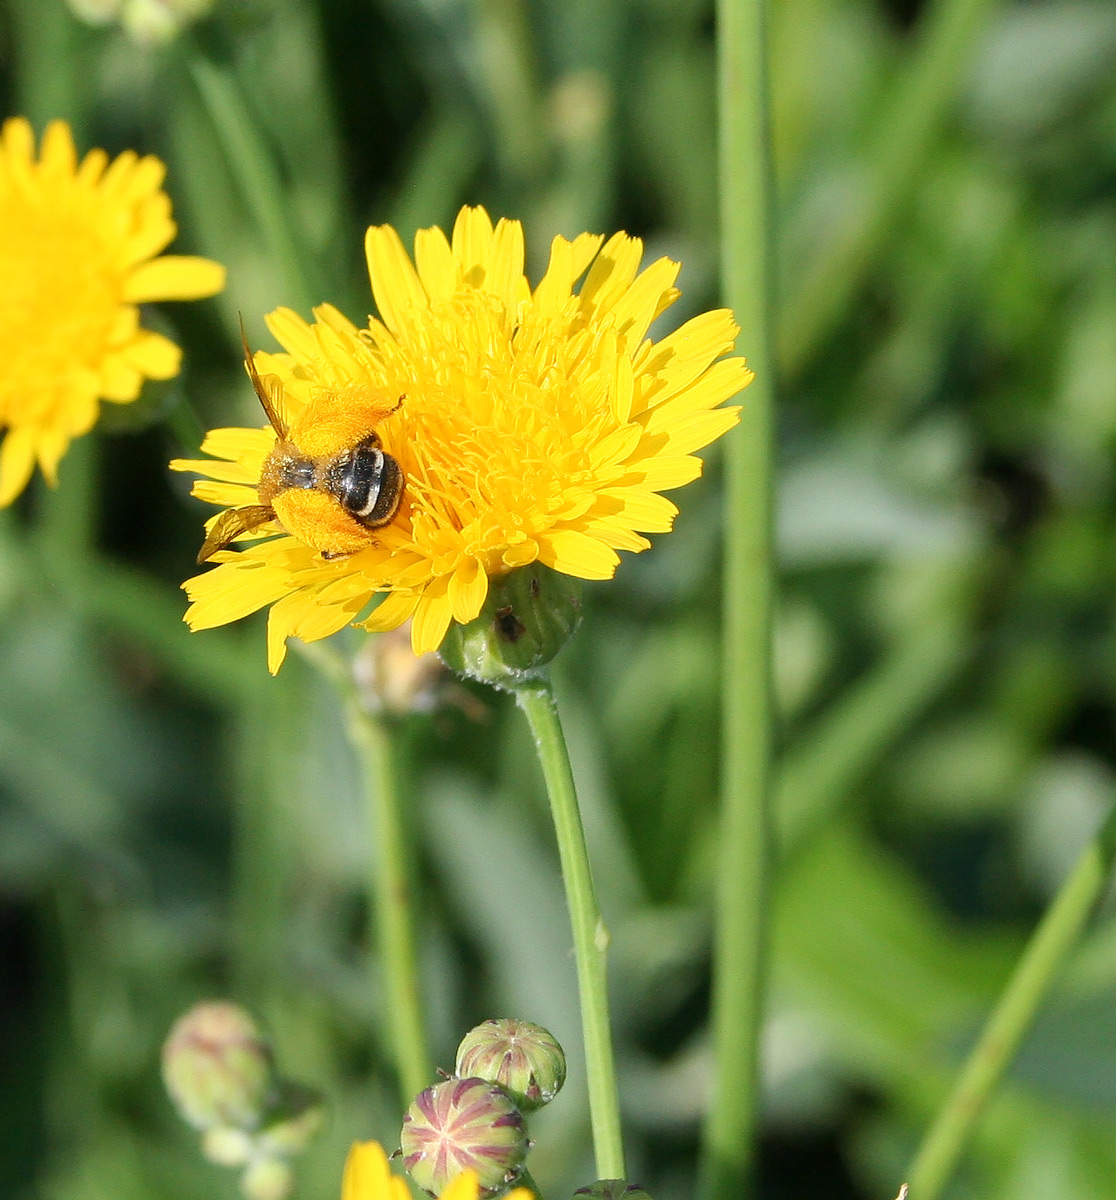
(368, 1177)
(529, 426)
(77, 255)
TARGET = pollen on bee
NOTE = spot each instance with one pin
(316, 519)
(336, 420)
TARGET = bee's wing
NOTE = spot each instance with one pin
(231, 524)
(268, 388)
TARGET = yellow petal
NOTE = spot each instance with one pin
(505, 273)
(391, 612)
(156, 356)
(692, 432)
(92, 168)
(432, 616)
(233, 590)
(435, 263)
(292, 333)
(467, 591)
(472, 243)
(662, 473)
(58, 156)
(17, 461)
(723, 379)
(51, 444)
(120, 381)
(641, 303)
(611, 273)
(174, 277)
(367, 1173)
(19, 143)
(577, 554)
(464, 1187)
(224, 495)
(395, 283)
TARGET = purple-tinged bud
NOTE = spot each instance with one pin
(523, 1058)
(217, 1067)
(460, 1124)
(613, 1189)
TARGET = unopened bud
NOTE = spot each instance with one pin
(529, 615)
(393, 679)
(462, 1124)
(228, 1147)
(267, 1179)
(524, 1059)
(613, 1189)
(217, 1067)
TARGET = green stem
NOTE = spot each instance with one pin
(390, 886)
(589, 932)
(253, 167)
(745, 836)
(1032, 979)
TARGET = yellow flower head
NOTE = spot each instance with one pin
(78, 246)
(528, 426)
(368, 1177)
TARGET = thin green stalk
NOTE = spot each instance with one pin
(253, 167)
(905, 136)
(390, 884)
(1032, 979)
(745, 837)
(589, 932)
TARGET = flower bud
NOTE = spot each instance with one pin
(524, 1059)
(613, 1189)
(393, 679)
(228, 1147)
(529, 615)
(460, 1124)
(217, 1067)
(267, 1179)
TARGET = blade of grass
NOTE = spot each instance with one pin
(740, 935)
(253, 166)
(899, 152)
(1034, 975)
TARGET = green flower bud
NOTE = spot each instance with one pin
(228, 1147)
(464, 1123)
(530, 614)
(267, 1179)
(613, 1189)
(524, 1059)
(217, 1067)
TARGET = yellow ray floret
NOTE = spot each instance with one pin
(529, 426)
(368, 1177)
(78, 246)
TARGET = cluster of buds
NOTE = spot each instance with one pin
(476, 1118)
(220, 1074)
(147, 22)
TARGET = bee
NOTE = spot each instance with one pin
(328, 480)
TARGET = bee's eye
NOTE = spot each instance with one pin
(370, 484)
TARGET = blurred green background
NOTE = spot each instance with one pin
(175, 825)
